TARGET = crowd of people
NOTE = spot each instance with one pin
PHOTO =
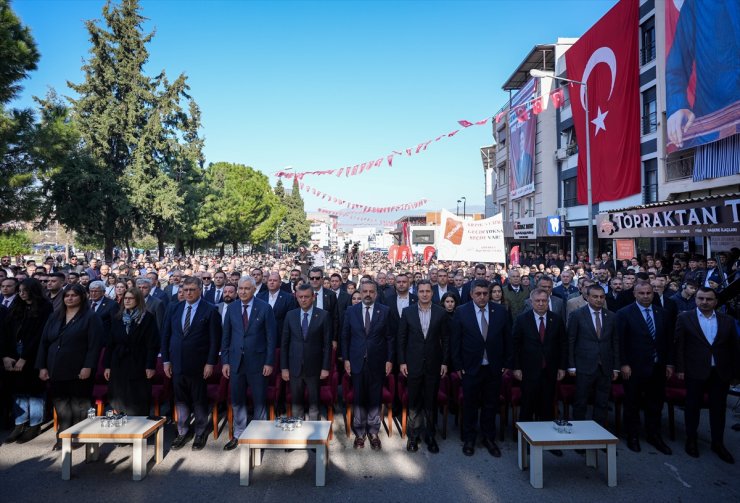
(482, 327)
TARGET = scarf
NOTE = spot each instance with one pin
(130, 317)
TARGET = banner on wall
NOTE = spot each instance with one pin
(702, 90)
(625, 249)
(471, 240)
(521, 141)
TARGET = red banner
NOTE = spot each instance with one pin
(606, 58)
(404, 253)
(429, 252)
(393, 254)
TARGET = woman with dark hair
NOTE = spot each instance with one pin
(20, 332)
(131, 357)
(450, 302)
(68, 356)
(356, 297)
(497, 296)
(120, 289)
(110, 286)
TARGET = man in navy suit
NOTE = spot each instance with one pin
(191, 333)
(305, 351)
(368, 348)
(646, 356)
(442, 287)
(156, 291)
(281, 302)
(325, 299)
(481, 350)
(479, 272)
(104, 307)
(215, 295)
(248, 353)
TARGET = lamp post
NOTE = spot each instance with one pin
(541, 74)
(457, 211)
(465, 201)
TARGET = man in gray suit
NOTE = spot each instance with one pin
(555, 304)
(593, 354)
(581, 300)
(153, 304)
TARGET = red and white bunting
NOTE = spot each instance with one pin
(361, 208)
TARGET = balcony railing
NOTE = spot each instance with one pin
(649, 123)
(677, 169)
(647, 54)
(650, 193)
(569, 202)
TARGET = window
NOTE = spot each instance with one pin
(650, 190)
(647, 41)
(502, 180)
(501, 139)
(517, 206)
(649, 111)
(502, 205)
(529, 212)
(570, 192)
(570, 142)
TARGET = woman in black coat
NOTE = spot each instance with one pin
(68, 356)
(21, 332)
(131, 357)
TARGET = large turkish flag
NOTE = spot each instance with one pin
(606, 58)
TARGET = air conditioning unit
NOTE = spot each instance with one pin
(561, 154)
(561, 212)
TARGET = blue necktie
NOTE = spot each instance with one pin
(651, 328)
(304, 326)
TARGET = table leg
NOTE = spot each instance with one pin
(257, 457)
(66, 458)
(611, 465)
(139, 459)
(245, 464)
(591, 458)
(159, 446)
(92, 452)
(521, 451)
(321, 466)
(535, 468)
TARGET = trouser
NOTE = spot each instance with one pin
(717, 391)
(297, 385)
(239, 383)
(650, 389)
(367, 386)
(538, 397)
(600, 384)
(71, 399)
(481, 392)
(29, 409)
(423, 389)
(190, 395)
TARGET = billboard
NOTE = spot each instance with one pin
(471, 240)
(522, 131)
(702, 84)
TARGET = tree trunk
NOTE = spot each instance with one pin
(179, 246)
(128, 249)
(192, 246)
(108, 246)
(160, 242)
(235, 248)
(222, 250)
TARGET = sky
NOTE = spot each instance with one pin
(324, 85)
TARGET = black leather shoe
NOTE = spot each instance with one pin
(493, 449)
(658, 443)
(231, 444)
(359, 442)
(691, 448)
(200, 441)
(469, 448)
(375, 442)
(411, 445)
(432, 445)
(556, 452)
(16, 433)
(723, 453)
(634, 444)
(57, 446)
(29, 434)
(180, 441)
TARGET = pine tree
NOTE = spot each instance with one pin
(296, 229)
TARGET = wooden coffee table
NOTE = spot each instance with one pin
(587, 435)
(264, 435)
(92, 434)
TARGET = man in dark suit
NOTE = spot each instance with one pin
(215, 294)
(344, 300)
(257, 275)
(481, 350)
(645, 352)
(191, 333)
(442, 287)
(399, 301)
(614, 295)
(540, 357)
(566, 287)
(479, 272)
(325, 300)
(174, 285)
(295, 276)
(423, 353)
(368, 348)
(708, 358)
(104, 307)
(248, 354)
(153, 305)
(593, 354)
(554, 304)
(305, 351)
(281, 302)
(156, 291)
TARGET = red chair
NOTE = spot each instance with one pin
(389, 388)
(565, 393)
(217, 389)
(617, 396)
(161, 388)
(443, 401)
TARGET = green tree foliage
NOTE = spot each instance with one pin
(18, 57)
(14, 243)
(239, 206)
(295, 230)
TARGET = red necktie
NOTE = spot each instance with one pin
(245, 318)
(542, 329)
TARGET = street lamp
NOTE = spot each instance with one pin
(465, 201)
(457, 211)
(541, 74)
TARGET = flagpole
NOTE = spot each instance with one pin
(541, 74)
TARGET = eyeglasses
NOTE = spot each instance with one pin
(314, 277)
(206, 277)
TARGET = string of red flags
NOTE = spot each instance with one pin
(361, 207)
(535, 106)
